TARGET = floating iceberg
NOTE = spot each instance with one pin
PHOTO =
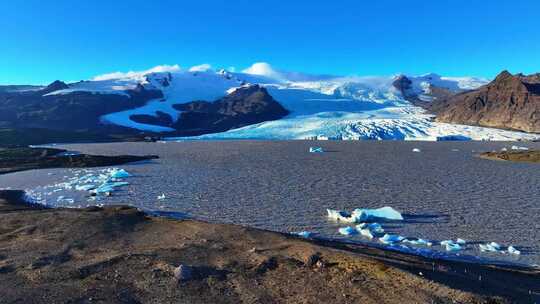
(418, 242)
(385, 213)
(316, 150)
(87, 187)
(108, 187)
(342, 216)
(391, 239)
(373, 227)
(347, 231)
(461, 241)
(513, 250)
(304, 234)
(490, 247)
(365, 215)
(366, 232)
(161, 197)
(119, 173)
(416, 150)
(450, 245)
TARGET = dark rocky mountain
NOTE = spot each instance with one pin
(509, 102)
(404, 85)
(246, 105)
(72, 111)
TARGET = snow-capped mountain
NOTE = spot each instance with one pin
(318, 105)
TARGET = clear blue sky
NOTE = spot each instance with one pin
(41, 41)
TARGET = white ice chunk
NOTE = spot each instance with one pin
(461, 241)
(161, 197)
(366, 232)
(416, 150)
(450, 245)
(86, 187)
(490, 247)
(341, 216)
(347, 231)
(316, 150)
(109, 187)
(363, 215)
(519, 148)
(391, 238)
(418, 242)
(119, 173)
(513, 250)
(387, 213)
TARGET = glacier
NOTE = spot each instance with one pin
(320, 106)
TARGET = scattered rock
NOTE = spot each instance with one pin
(183, 273)
(312, 260)
(266, 265)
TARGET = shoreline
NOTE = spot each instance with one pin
(29, 158)
(220, 254)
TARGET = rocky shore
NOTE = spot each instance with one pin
(121, 255)
(529, 156)
(24, 158)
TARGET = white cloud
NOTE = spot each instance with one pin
(200, 68)
(138, 74)
(263, 69)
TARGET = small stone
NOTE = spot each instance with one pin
(312, 260)
(183, 273)
(320, 264)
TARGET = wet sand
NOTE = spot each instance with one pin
(446, 191)
(120, 255)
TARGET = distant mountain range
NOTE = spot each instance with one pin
(268, 104)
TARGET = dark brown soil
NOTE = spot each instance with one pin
(19, 159)
(530, 156)
(121, 255)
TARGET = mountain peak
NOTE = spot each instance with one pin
(503, 75)
(55, 86)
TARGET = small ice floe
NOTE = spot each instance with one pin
(316, 150)
(461, 241)
(161, 197)
(513, 250)
(365, 215)
(85, 187)
(374, 227)
(119, 173)
(416, 150)
(347, 231)
(450, 245)
(391, 239)
(417, 241)
(490, 247)
(366, 232)
(519, 148)
(108, 187)
(304, 234)
(504, 149)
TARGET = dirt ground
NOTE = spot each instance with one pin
(121, 255)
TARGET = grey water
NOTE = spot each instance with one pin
(445, 191)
